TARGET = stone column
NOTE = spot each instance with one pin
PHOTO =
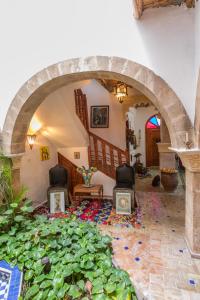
(166, 156)
(191, 161)
(16, 165)
(164, 132)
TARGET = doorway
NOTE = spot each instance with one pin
(152, 138)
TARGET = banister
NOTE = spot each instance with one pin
(97, 152)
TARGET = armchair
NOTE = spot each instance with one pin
(125, 182)
(59, 182)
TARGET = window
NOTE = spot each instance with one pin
(153, 122)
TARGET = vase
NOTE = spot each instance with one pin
(87, 181)
(169, 181)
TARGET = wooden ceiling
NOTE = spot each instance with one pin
(135, 97)
(141, 5)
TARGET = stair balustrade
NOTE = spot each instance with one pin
(102, 154)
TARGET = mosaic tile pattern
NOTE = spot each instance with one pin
(155, 255)
(10, 281)
(4, 284)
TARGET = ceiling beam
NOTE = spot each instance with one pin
(140, 5)
(137, 8)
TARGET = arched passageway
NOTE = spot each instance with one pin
(34, 91)
(152, 137)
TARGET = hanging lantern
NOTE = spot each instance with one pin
(120, 91)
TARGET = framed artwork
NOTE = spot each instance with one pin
(99, 116)
(44, 153)
(123, 203)
(57, 202)
(77, 155)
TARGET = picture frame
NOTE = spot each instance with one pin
(57, 202)
(123, 203)
(99, 116)
(44, 153)
(77, 155)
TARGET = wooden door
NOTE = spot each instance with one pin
(152, 154)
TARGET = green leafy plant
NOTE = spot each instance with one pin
(64, 259)
(12, 207)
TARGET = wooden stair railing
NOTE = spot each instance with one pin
(105, 156)
(81, 107)
(101, 153)
(74, 177)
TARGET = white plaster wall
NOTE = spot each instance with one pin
(69, 154)
(34, 172)
(108, 183)
(63, 129)
(35, 34)
(138, 119)
(98, 177)
(98, 95)
(61, 125)
(197, 40)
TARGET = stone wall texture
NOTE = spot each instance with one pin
(33, 92)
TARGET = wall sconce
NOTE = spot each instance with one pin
(31, 140)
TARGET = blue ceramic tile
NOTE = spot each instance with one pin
(12, 289)
(192, 282)
(137, 259)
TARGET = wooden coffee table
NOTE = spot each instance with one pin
(81, 190)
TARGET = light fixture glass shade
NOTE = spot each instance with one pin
(120, 91)
(31, 139)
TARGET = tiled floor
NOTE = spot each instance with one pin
(156, 255)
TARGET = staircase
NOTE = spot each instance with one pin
(74, 177)
(101, 153)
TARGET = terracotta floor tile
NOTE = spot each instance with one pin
(160, 266)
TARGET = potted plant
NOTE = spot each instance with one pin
(169, 179)
(87, 174)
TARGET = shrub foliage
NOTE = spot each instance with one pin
(60, 258)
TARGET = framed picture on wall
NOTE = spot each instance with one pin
(44, 153)
(57, 202)
(77, 155)
(99, 116)
(123, 203)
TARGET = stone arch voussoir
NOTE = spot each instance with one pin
(34, 91)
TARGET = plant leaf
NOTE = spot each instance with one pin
(74, 292)
(32, 291)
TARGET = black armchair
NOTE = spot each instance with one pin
(125, 177)
(59, 182)
(58, 176)
(125, 182)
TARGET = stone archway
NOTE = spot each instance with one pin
(197, 115)
(33, 92)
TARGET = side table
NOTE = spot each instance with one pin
(80, 190)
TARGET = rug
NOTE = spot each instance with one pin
(98, 211)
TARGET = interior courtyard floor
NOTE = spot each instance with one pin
(155, 255)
